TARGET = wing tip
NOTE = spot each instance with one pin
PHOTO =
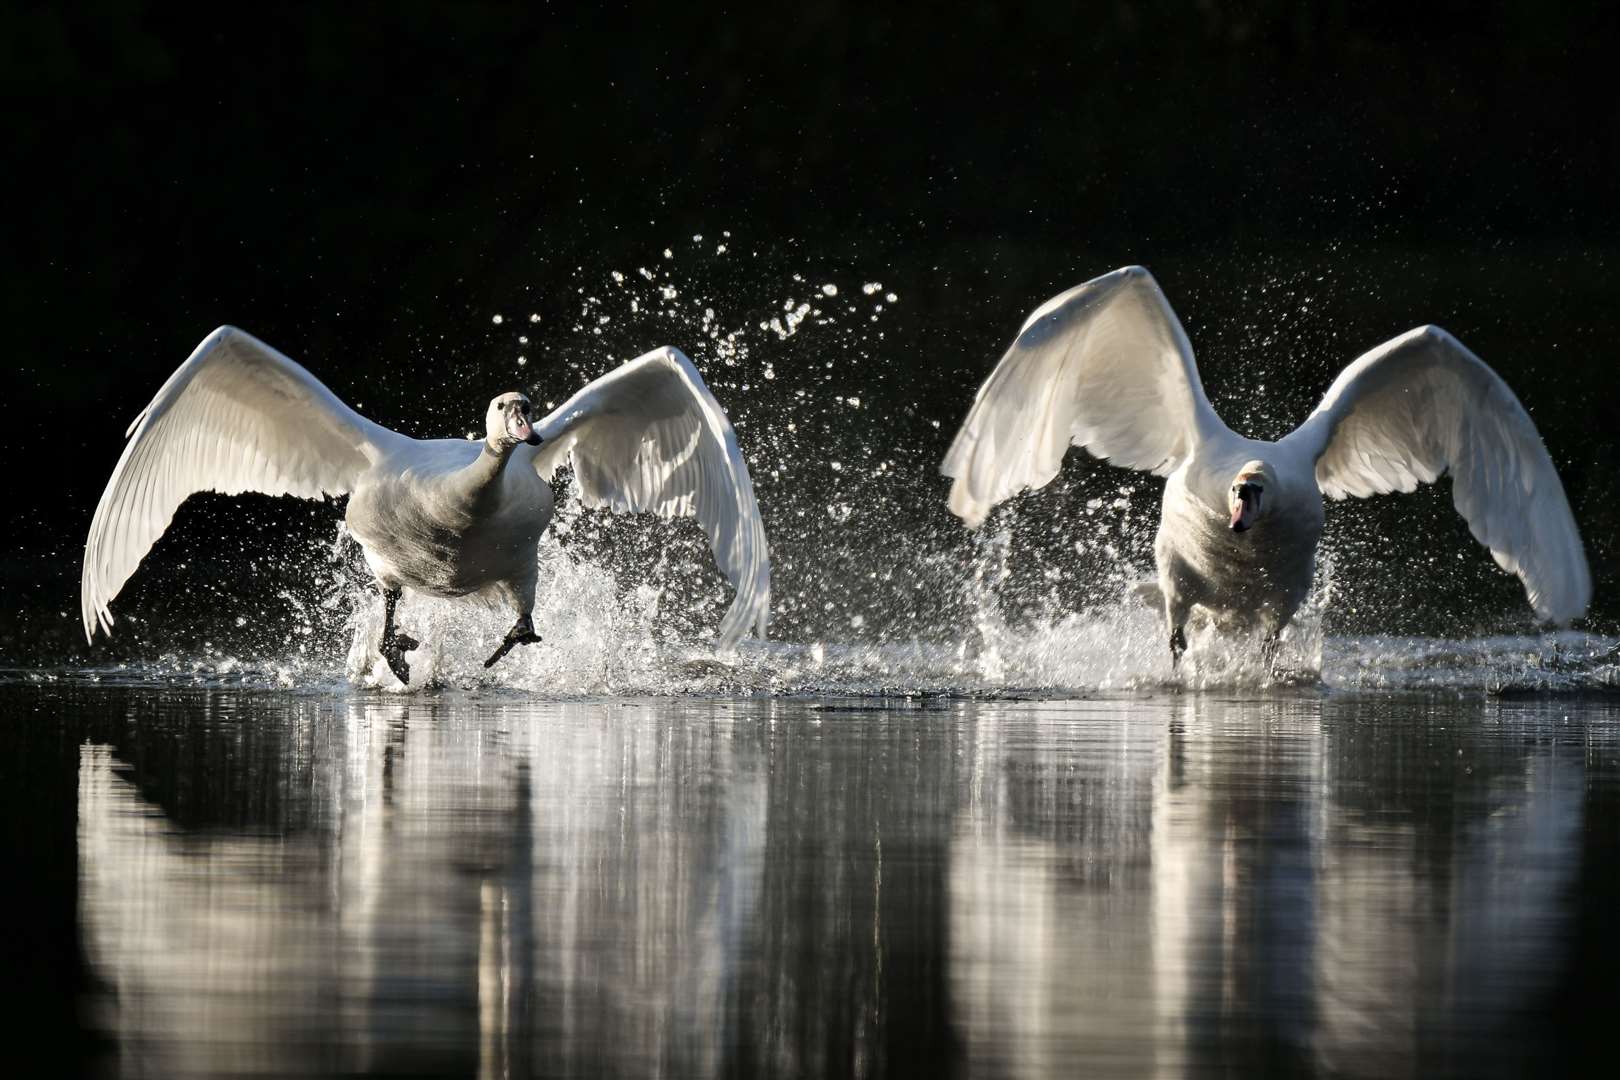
(670, 354)
(96, 617)
(1566, 609)
(1561, 617)
(1428, 332)
(964, 505)
(1088, 289)
(1560, 602)
(741, 620)
(218, 336)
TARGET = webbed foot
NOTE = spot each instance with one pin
(522, 633)
(394, 648)
(394, 643)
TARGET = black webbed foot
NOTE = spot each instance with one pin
(522, 633)
(394, 643)
(394, 648)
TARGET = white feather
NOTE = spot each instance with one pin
(1105, 366)
(1422, 405)
(237, 416)
(650, 437)
(444, 517)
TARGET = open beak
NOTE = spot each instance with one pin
(1247, 505)
(517, 426)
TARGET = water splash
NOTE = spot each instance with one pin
(612, 635)
(877, 590)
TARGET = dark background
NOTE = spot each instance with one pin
(363, 186)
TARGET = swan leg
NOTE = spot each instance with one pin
(394, 643)
(1178, 591)
(1269, 647)
(1176, 610)
(522, 633)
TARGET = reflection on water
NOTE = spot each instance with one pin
(497, 887)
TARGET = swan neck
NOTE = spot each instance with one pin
(498, 452)
(486, 469)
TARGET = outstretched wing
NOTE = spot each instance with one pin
(650, 437)
(1422, 405)
(1105, 366)
(237, 416)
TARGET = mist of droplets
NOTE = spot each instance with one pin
(875, 589)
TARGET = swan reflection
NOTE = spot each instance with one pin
(506, 888)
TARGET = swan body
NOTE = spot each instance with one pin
(1107, 366)
(443, 517)
(1250, 580)
(428, 521)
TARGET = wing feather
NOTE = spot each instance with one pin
(1106, 366)
(236, 416)
(649, 437)
(1422, 405)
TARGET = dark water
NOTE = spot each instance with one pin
(213, 883)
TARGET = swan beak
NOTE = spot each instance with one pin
(1247, 505)
(519, 428)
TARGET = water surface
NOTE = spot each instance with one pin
(258, 882)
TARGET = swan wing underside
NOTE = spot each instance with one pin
(1106, 366)
(650, 437)
(236, 416)
(1422, 405)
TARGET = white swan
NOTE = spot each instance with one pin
(1108, 367)
(447, 517)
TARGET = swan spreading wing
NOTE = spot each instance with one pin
(650, 437)
(1422, 405)
(237, 416)
(1105, 366)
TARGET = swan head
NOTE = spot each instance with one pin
(1246, 499)
(510, 421)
